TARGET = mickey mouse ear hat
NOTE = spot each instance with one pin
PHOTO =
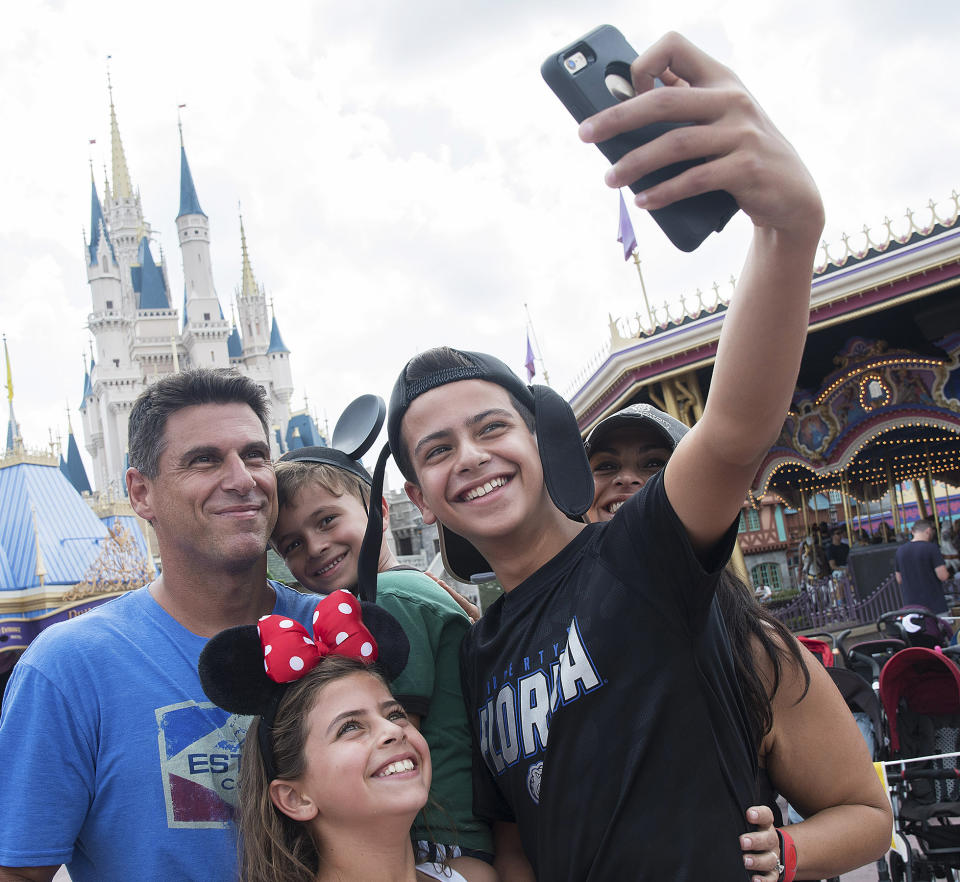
(353, 436)
(566, 471)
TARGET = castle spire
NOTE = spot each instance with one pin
(189, 203)
(248, 285)
(72, 467)
(98, 226)
(121, 176)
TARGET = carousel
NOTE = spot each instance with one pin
(872, 438)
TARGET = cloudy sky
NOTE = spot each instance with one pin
(406, 177)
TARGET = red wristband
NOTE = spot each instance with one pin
(788, 855)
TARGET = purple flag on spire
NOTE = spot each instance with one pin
(625, 234)
(529, 363)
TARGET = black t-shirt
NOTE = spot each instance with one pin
(916, 562)
(616, 649)
(839, 554)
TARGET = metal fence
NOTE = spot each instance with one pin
(833, 603)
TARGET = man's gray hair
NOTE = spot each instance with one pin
(148, 418)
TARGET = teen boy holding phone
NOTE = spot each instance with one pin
(606, 639)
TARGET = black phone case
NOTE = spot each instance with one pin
(687, 222)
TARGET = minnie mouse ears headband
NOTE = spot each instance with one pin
(566, 470)
(248, 669)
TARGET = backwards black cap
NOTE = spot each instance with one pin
(566, 471)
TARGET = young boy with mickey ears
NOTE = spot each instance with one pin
(323, 497)
(606, 714)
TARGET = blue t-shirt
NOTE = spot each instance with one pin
(113, 760)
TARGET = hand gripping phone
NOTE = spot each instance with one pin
(594, 73)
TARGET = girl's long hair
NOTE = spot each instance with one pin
(746, 621)
(274, 847)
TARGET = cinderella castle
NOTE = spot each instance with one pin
(139, 335)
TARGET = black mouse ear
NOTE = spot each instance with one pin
(232, 672)
(393, 647)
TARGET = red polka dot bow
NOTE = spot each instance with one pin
(338, 629)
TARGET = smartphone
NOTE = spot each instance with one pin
(594, 73)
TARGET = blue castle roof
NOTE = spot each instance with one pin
(97, 225)
(234, 344)
(302, 431)
(73, 468)
(276, 341)
(148, 280)
(69, 532)
(87, 386)
(189, 203)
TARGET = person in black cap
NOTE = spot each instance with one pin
(809, 747)
(608, 725)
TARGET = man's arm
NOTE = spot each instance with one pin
(942, 573)
(758, 356)
(28, 874)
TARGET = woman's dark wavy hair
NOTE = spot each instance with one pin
(744, 619)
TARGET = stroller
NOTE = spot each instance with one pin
(867, 657)
(920, 691)
(916, 626)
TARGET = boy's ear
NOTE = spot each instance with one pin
(138, 492)
(385, 510)
(288, 798)
(415, 495)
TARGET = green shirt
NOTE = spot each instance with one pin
(430, 686)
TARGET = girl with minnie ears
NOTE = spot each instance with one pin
(332, 774)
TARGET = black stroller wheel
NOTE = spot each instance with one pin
(898, 869)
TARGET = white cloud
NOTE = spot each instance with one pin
(405, 175)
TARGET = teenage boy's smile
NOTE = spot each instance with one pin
(483, 489)
(472, 452)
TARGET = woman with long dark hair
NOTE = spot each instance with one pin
(808, 746)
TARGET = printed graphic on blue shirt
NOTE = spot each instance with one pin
(515, 721)
(199, 751)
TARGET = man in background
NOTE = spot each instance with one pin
(921, 570)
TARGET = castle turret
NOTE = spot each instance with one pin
(93, 427)
(279, 357)
(205, 331)
(114, 378)
(72, 466)
(252, 309)
(107, 321)
(122, 208)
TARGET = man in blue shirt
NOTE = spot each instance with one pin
(115, 763)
